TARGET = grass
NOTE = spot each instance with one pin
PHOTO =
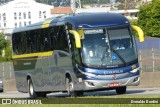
(85, 105)
(96, 105)
(125, 96)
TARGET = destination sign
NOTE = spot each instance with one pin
(93, 31)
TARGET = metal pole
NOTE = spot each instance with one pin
(153, 59)
(125, 8)
(3, 71)
(10, 70)
(140, 59)
(73, 5)
(80, 5)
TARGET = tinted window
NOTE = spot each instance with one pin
(40, 40)
(62, 43)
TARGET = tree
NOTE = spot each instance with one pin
(8, 53)
(3, 42)
(5, 45)
(148, 18)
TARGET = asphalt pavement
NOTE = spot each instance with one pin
(130, 92)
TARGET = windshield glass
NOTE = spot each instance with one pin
(108, 47)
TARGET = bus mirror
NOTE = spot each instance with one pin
(77, 38)
(140, 32)
(81, 33)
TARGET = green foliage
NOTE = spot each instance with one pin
(8, 53)
(149, 18)
(5, 45)
(121, 6)
(3, 42)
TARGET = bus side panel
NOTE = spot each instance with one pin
(57, 71)
(41, 77)
(24, 67)
(38, 75)
(45, 81)
(21, 82)
(63, 65)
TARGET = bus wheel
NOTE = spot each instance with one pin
(32, 93)
(69, 87)
(121, 90)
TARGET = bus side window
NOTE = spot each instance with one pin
(20, 44)
(24, 43)
(38, 41)
(53, 38)
(75, 51)
(15, 44)
(62, 42)
(28, 42)
(46, 39)
(33, 50)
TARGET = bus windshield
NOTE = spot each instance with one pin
(108, 47)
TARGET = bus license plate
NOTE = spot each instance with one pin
(114, 84)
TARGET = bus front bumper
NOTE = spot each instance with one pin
(100, 84)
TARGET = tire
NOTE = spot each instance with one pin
(31, 91)
(121, 90)
(70, 89)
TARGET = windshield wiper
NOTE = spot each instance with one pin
(116, 52)
(120, 57)
(103, 56)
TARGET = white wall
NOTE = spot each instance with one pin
(22, 6)
(93, 10)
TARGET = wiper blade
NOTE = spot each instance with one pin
(103, 56)
(120, 57)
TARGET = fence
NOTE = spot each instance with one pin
(149, 54)
(149, 60)
(6, 71)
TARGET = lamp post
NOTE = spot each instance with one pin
(125, 7)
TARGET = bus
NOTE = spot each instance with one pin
(76, 54)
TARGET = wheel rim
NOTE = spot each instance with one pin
(30, 88)
(69, 86)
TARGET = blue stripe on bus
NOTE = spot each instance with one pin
(108, 71)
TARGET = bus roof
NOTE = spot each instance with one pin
(88, 20)
(82, 20)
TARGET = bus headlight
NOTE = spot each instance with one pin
(87, 74)
(135, 70)
(90, 75)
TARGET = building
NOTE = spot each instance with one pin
(59, 11)
(130, 14)
(145, 1)
(93, 10)
(19, 13)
